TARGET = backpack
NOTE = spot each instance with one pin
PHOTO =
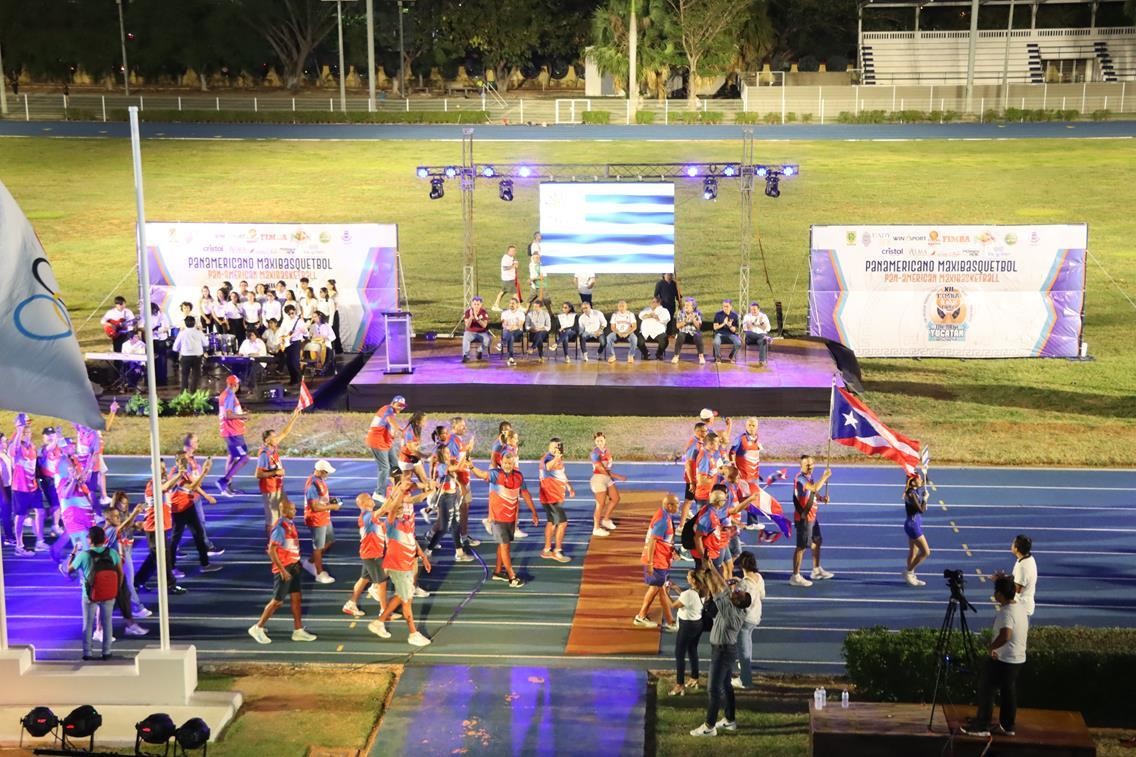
(688, 528)
(102, 585)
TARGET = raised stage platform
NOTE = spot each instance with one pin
(883, 729)
(796, 380)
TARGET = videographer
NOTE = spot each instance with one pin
(1007, 655)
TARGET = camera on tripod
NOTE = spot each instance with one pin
(946, 662)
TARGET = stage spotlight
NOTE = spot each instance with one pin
(505, 190)
(788, 170)
(761, 171)
(488, 172)
(81, 723)
(156, 729)
(451, 172)
(437, 188)
(710, 188)
(729, 171)
(193, 734)
(423, 172)
(39, 722)
(524, 172)
(691, 171)
(772, 185)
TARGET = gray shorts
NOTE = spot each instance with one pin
(323, 536)
(556, 514)
(373, 570)
(403, 583)
(286, 584)
(503, 532)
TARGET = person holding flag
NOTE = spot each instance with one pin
(269, 469)
(915, 504)
(806, 497)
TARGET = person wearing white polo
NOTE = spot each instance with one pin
(508, 277)
(622, 328)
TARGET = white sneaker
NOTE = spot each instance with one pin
(518, 533)
(463, 556)
(352, 609)
(379, 628)
(488, 524)
(324, 578)
(559, 556)
(97, 635)
(798, 580)
(302, 634)
(373, 593)
(726, 725)
(600, 532)
(142, 612)
(310, 566)
(133, 629)
(670, 627)
(258, 633)
(820, 574)
(704, 730)
(608, 524)
(416, 639)
(911, 580)
(420, 593)
(644, 622)
(736, 683)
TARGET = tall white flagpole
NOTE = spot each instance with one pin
(152, 391)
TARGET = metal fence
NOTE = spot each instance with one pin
(774, 104)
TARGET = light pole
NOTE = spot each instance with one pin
(371, 55)
(342, 80)
(970, 56)
(122, 40)
(401, 54)
(1006, 61)
(632, 61)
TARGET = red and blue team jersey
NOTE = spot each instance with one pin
(747, 457)
(372, 536)
(661, 530)
(402, 547)
(710, 526)
(228, 408)
(149, 523)
(49, 458)
(801, 496)
(553, 480)
(24, 462)
(443, 478)
(315, 490)
(408, 453)
(454, 448)
(70, 482)
(268, 458)
(496, 453)
(88, 445)
(689, 458)
(706, 466)
(380, 435)
(505, 495)
(601, 461)
(286, 539)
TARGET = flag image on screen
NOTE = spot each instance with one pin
(607, 228)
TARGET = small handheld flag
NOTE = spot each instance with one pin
(305, 399)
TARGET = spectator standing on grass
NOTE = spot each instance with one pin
(731, 604)
(284, 551)
(534, 245)
(690, 626)
(753, 584)
(1025, 571)
(101, 569)
(1004, 664)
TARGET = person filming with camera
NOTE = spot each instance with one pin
(1007, 655)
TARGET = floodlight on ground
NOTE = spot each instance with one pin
(81, 723)
(709, 188)
(156, 729)
(437, 188)
(193, 734)
(773, 185)
(39, 722)
(505, 190)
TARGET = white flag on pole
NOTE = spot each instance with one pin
(41, 367)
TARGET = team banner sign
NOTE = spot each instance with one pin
(949, 291)
(361, 258)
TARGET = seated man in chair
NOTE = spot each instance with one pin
(512, 328)
(622, 328)
(590, 324)
(476, 320)
(653, 321)
(755, 325)
(726, 328)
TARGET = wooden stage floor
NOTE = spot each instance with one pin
(795, 381)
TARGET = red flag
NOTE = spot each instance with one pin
(305, 401)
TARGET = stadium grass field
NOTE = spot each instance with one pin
(78, 194)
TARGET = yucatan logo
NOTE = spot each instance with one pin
(43, 317)
(947, 314)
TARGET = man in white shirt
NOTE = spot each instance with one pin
(118, 322)
(271, 310)
(253, 347)
(135, 347)
(293, 333)
(272, 342)
(1025, 571)
(512, 326)
(585, 282)
(508, 276)
(1007, 655)
(653, 321)
(160, 324)
(622, 327)
(590, 325)
(534, 245)
(755, 325)
(322, 340)
(190, 346)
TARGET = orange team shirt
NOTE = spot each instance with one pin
(181, 496)
(314, 490)
(454, 448)
(372, 536)
(268, 458)
(689, 456)
(801, 496)
(710, 527)
(601, 461)
(661, 532)
(227, 403)
(380, 435)
(554, 482)
(149, 522)
(747, 457)
(706, 466)
(402, 547)
(286, 539)
(505, 495)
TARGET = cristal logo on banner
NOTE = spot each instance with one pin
(31, 317)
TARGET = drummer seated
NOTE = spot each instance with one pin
(134, 370)
(321, 342)
(273, 343)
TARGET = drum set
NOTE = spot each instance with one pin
(222, 344)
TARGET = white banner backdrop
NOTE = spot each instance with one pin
(949, 291)
(361, 258)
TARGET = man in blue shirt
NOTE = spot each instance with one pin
(726, 329)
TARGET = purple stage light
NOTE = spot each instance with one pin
(762, 171)
(691, 171)
(729, 171)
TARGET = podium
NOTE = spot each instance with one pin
(398, 330)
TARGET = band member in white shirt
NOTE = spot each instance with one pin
(118, 323)
(322, 340)
(251, 313)
(134, 371)
(271, 309)
(293, 333)
(160, 324)
(253, 347)
(653, 321)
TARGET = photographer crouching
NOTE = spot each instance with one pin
(1007, 655)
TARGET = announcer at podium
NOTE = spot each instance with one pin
(476, 322)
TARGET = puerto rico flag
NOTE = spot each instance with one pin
(853, 424)
(770, 509)
(305, 399)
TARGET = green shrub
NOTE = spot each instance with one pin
(644, 116)
(991, 115)
(1068, 115)
(947, 116)
(806, 118)
(1085, 669)
(747, 118)
(1102, 115)
(1014, 114)
(597, 117)
(292, 117)
(910, 116)
(696, 117)
(190, 403)
(790, 118)
(771, 118)
(139, 404)
(864, 117)
(711, 117)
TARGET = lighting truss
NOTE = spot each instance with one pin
(606, 172)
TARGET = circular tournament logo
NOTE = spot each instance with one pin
(325, 237)
(946, 312)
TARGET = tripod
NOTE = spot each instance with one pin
(956, 608)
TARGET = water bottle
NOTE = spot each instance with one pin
(844, 699)
(823, 698)
(817, 704)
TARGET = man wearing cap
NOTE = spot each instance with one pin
(232, 417)
(383, 431)
(318, 506)
(476, 321)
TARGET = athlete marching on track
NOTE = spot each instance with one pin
(603, 487)
(232, 417)
(915, 504)
(506, 488)
(553, 487)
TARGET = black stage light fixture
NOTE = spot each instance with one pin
(81, 723)
(710, 188)
(193, 734)
(39, 722)
(156, 729)
(505, 190)
(437, 188)
(773, 185)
